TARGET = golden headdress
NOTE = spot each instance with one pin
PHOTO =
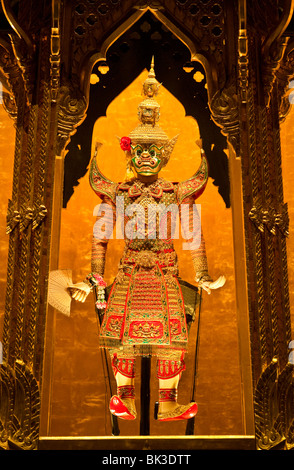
(148, 131)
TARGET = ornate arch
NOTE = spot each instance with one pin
(126, 58)
(193, 45)
(202, 49)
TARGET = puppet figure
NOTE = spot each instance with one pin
(146, 312)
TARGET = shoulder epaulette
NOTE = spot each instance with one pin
(195, 185)
(101, 185)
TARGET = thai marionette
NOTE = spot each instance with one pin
(148, 311)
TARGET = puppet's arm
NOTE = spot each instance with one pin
(187, 192)
(191, 224)
(101, 234)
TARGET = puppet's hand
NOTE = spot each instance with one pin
(80, 291)
(209, 285)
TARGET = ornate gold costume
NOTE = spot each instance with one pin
(145, 313)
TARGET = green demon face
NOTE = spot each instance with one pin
(147, 160)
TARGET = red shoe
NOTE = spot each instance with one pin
(118, 407)
(180, 412)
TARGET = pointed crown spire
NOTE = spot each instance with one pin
(149, 113)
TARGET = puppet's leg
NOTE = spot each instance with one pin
(169, 373)
(123, 404)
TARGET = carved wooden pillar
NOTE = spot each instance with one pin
(266, 227)
(248, 109)
(24, 62)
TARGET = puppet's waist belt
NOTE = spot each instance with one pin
(148, 258)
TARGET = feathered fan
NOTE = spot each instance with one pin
(58, 290)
